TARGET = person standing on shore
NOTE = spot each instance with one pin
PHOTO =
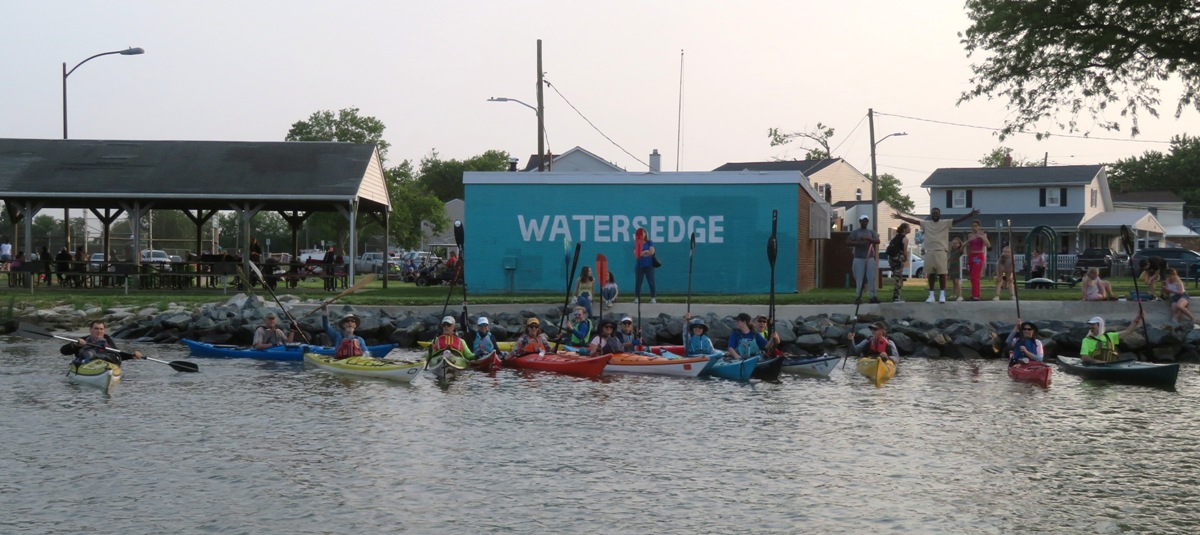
(897, 252)
(937, 244)
(865, 242)
(977, 247)
(643, 251)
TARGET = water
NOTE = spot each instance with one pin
(256, 447)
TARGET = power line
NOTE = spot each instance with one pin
(589, 122)
(993, 129)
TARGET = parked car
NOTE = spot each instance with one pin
(1185, 261)
(96, 262)
(155, 256)
(915, 267)
(1096, 257)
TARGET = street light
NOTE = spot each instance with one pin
(541, 128)
(874, 176)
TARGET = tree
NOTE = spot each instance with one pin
(444, 178)
(347, 126)
(1154, 171)
(889, 192)
(412, 204)
(998, 154)
(1076, 56)
(820, 135)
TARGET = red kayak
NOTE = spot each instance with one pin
(1037, 373)
(565, 363)
(486, 364)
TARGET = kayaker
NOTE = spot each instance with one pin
(533, 340)
(449, 341)
(581, 329)
(346, 343)
(629, 339)
(269, 334)
(605, 343)
(92, 346)
(695, 337)
(1023, 344)
(876, 345)
(485, 341)
(1099, 347)
(744, 342)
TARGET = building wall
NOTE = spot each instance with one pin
(515, 232)
(807, 249)
(844, 182)
(580, 162)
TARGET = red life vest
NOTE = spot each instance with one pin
(877, 346)
(447, 341)
(531, 345)
(349, 347)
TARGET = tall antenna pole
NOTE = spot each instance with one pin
(540, 112)
(679, 122)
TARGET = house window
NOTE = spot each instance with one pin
(1051, 197)
(960, 199)
(858, 194)
(1093, 197)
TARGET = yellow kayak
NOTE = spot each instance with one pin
(95, 372)
(503, 347)
(366, 367)
(878, 370)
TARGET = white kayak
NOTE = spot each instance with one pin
(816, 366)
(95, 372)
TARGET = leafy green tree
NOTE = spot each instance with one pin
(889, 192)
(1174, 171)
(347, 126)
(998, 154)
(444, 178)
(412, 204)
(1048, 57)
(819, 135)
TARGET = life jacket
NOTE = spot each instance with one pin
(1016, 353)
(609, 346)
(576, 339)
(484, 345)
(531, 345)
(271, 336)
(448, 342)
(1104, 348)
(877, 345)
(748, 347)
(696, 345)
(349, 347)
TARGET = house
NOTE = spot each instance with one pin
(576, 160)
(454, 212)
(1165, 206)
(1073, 201)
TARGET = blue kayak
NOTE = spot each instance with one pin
(736, 370)
(290, 352)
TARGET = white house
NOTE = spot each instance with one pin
(576, 160)
(1167, 208)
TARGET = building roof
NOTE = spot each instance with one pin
(535, 159)
(1144, 221)
(1024, 221)
(1147, 197)
(1061, 175)
(808, 167)
(292, 175)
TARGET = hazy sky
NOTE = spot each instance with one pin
(220, 70)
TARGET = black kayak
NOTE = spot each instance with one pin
(1126, 371)
(768, 370)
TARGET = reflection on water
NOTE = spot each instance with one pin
(269, 447)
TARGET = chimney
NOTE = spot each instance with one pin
(1007, 160)
(512, 164)
(655, 161)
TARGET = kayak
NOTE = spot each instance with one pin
(446, 365)
(768, 370)
(366, 367)
(487, 364)
(736, 370)
(1126, 371)
(816, 366)
(292, 352)
(564, 363)
(878, 370)
(653, 364)
(1037, 373)
(96, 372)
(503, 347)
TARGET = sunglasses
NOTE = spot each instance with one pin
(1026, 329)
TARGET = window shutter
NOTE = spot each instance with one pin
(1042, 201)
(949, 198)
(1062, 197)
(968, 198)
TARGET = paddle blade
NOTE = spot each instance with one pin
(30, 330)
(692, 246)
(458, 234)
(773, 242)
(601, 268)
(184, 366)
(257, 272)
(1127, 240)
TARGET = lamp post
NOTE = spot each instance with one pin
(131, 51)
(541, 128)
(874, 176)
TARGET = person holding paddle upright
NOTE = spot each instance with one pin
(1023, 344)
(876, 345)
(745, 342)
(485, 341)
(269, 334)
(449, 341)
(533, 340)
(605, 343)
(630, 340)
(346, 344)
(92, 346)
(1099, 347)
(580, 333)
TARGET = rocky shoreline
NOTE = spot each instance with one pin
(234, 321)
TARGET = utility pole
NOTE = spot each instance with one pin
(541, 133)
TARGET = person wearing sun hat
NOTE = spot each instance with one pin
(695, 337)
(865, 240)
(345, 342)
(533, 340)
(1099, 347)
(485, 342)
(448, 340)
(876, 345)
(606, 342)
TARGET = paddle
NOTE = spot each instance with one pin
(459, 238)
(772, 252)
(29, 330)
(1013, 260)
(858, 300)
(367, 279)
(1127, 242)
(567, 299)
(295, 325)
(602, 276)
(457, 267)
(692, 255)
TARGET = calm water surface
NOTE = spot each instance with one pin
(255, 447)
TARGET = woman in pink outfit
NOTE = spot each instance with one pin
(977, 246)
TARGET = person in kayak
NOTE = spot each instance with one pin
(696, 342)
(629, 339)
(876, 345)
(449, 341)
(605, 343)
(1099, 347)
(533, 340)
(346, 344)
(92, 347)
(1023, 344)
(581, 329)
(744, 342)
(485, 341)
(269, 334)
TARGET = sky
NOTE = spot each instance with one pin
(248, 70)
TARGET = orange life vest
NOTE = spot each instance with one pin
(447, 341)
(349, 347)
(877, 346)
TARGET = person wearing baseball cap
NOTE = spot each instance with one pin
(533, 340)
(1099, 347)
(448, 340)
(269, 334)
(629, 339)
(485, 342)
(865, 242)
(744, 342)
(876, 345)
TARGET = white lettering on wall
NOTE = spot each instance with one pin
(619, 228)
